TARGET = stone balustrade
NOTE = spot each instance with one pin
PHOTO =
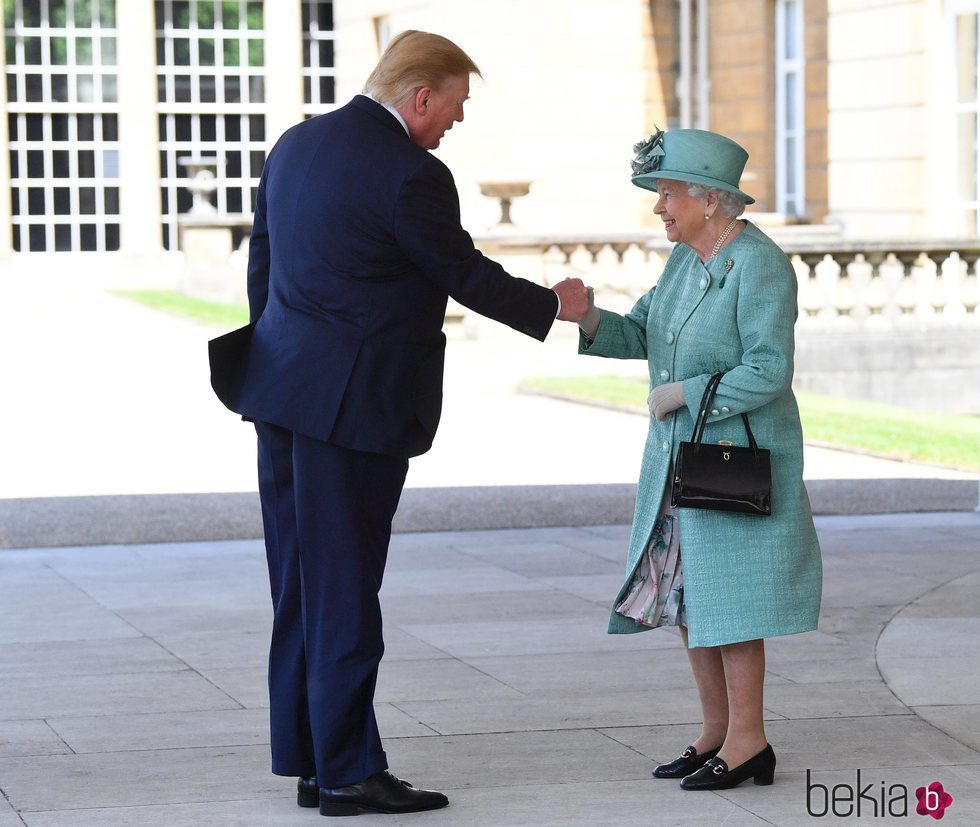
(844, 284)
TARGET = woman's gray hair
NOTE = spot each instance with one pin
(730, 204)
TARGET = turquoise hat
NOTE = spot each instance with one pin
(694, 155)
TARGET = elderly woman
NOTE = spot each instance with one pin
(726, 301)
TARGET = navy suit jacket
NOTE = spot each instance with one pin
(356, 246)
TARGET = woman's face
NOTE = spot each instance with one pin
(683, 215)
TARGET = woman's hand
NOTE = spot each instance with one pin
(665, 399)
(589, 323)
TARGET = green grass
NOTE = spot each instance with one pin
(170, 301)
(883, 430)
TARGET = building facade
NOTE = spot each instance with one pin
(858, 115)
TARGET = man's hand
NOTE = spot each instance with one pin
(574, 298)
(665, 399)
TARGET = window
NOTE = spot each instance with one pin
(790, 93)
(62, 117)
(211, 102)
(319, 77)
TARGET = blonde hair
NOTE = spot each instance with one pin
(414, 59)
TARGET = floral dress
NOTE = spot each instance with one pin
(655, 596)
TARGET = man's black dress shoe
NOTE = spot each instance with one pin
(381, 793)
(686, 763)
(308, 792)
(715, 775)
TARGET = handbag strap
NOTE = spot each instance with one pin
(703, 411)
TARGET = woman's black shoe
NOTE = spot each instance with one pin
(308, 792)
(686, 763)
(715, 775)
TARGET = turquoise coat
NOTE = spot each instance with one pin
(745, 577)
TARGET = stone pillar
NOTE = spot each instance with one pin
(140, 221)
(283, 66)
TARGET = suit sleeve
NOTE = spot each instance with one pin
(258, 257)
(428, 231)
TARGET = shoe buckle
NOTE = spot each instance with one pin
(687, 753)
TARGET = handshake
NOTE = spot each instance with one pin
(577, 305)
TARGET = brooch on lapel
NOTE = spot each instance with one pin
(729, 263)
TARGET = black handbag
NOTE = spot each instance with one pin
(721, 477)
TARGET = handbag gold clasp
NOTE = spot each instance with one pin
(726, 442)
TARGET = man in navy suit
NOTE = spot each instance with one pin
(355, 248)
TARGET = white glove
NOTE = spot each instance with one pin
(589, 323)
(665, 399)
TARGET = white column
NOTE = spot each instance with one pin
(283, 66)
(6, 227)
(140, 221)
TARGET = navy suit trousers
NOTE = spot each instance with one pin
(327, 515)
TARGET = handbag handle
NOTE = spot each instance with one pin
(702, 418)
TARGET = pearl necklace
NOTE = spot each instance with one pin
(721, 239)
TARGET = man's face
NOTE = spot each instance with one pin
(443, 107)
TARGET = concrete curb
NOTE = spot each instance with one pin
(168, 518)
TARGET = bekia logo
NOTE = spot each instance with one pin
(874, 799)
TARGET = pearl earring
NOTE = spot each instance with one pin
(706, 216)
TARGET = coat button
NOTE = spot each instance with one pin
(669, 337)
(665, 374)
(714, 412)
(666, 445)
(725, 409)
(703, 283)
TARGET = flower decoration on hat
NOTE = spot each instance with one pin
(649, 153)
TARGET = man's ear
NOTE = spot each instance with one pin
(421, 100)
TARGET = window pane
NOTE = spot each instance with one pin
(35, 201)
(108, 51)
(229, 14)
(86, 127)
(182, 51)
(110, 128)
(254, 14)
(86, 89)
(206, 51)
(83, 51)
(58, 13)
(62, 237)
(86, 200)
(112, 237)
(59, 163)
(59, 88)
(62, 201)
(36, 235)
(256, 53)
(181, 15)
(83, 14)
(59, 127)
(32, 51)
(107, 12)
(110, 163)
(231, 53)
(59, 51)
(86, 163)
(89, 237)
(35, 127)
